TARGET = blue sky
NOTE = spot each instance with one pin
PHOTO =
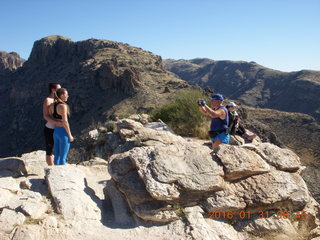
(279, 34)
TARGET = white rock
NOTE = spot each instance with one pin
(35, 162)
(9, 219)
(34, 210)
(281, 158)
(70, 194)
(269, 190)
(9, 183)
(265, 226)
(240, 162)
(190, 165)
(94, 134)
(50, 222)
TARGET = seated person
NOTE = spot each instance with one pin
(235, 126)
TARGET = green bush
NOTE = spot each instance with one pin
(183, 114)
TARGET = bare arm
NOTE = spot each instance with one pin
(219, 113)
(46, 115)
(204, 110)
(63, 109)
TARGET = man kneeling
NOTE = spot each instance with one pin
(219, 119)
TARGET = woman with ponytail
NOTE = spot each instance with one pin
(62, 135)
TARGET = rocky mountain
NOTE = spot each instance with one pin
(253, 84)
(157, 185)
(9, 62)
(104, 79)
(107, 80)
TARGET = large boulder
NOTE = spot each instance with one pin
(161, 170)
(160, 173)
(273, 190)
(12, 167)
(240, 163)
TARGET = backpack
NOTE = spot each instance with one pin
(233, 122)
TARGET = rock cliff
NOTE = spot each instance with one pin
(104, 79)
(9, 62)
(157, 185)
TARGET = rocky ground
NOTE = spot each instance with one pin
(157, 185)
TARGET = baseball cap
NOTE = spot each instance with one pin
(231, 104)
(217, 96)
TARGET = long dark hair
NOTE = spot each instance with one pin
(52, 86)
(57, 97)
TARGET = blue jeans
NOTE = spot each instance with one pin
(61, 145)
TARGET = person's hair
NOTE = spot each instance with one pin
(57, 97)
(52, 86)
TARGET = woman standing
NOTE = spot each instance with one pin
(62, 135)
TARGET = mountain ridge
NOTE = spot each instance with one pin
(99, 75)
(253, 84)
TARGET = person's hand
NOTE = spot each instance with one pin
(201, 102)
(71, 139)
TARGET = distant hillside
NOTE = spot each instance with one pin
(9, 62)
(253, 84)
(104, 79)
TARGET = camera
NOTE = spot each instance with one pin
(201, 102)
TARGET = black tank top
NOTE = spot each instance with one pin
(55, 114)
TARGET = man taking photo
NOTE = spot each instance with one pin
(219, 119)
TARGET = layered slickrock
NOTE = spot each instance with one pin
(157, 185)
(157, 171)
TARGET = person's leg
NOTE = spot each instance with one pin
(56, 146)
(243, 133)
(49, 160)
(48, 134)
(240, 130)
(216, 143)
(219, 139)
(224, 138)
(64, 147)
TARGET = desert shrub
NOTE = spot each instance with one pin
(183, 114)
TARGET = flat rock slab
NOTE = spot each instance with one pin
(70, 193)
(34, 210)
(9, 219)
(9, 183)
(281, 158)
(240, 163)
(275, 189)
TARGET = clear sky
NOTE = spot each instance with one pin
(279, 34)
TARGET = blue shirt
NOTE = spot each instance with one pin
(218, 124)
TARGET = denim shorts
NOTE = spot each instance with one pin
(223, 137)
